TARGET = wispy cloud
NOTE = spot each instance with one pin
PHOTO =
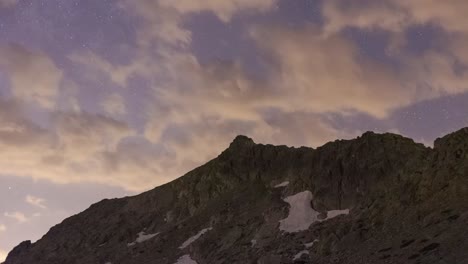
(18, 216)
(33, 75)
(192, 107)
(3, 255)
(36, 201)
(8, 3)
(114, 105)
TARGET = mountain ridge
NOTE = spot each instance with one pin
(373, 176)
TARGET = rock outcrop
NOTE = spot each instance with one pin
(380, 198)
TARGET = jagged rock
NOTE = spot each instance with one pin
(407, 204)
(23, 247)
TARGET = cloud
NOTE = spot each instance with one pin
(8, 3)
(75, 148)
(225, 10)
(69, 100)
(436, 72)
(210, 104)
(160, 23)
(193, 116)
(3, 255)
(314, 69)
(449, 14)
(95, 65)
(82, 147)
(395, 15)
(327, 73)
(311, 75)
(300, 128)
(364, 14)
(17, 133)
(36, 201)
(33, 75)
(18, 216)
(114, 104)
(194, 109)
(83, 134)
(164, 18)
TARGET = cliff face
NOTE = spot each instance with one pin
(380, 198)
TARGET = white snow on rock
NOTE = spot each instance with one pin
(169, 217)
(299, 255)
(283, 184)
(194, 238)
(142, 237)
(253, 242)
(186, 259)
(301, 215)
(310, 244)
(334, 213)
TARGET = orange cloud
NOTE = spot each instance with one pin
(195, 109)
(8, 3)
(322, 74)
(36, 201)
(33, 75)
(395, 15)
(114, 104)
(225, 10)
(326, 73)
(3, 255)
(18, 216)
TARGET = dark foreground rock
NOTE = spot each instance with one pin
(407, 204)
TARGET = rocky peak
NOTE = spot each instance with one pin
(241, 142)
(380, 198)
(19, 249)
(457, 138)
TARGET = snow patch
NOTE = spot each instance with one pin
(283, 184)
(301, 215)
(142, 237)
(334, 213)
(186, 259)
(253, 242)
(194, 238)
(310, 244)
(169, 217)
(299, 255)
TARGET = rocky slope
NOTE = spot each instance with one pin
(380, 198)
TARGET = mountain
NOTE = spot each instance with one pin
(379, 198)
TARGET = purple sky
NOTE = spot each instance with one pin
(102, 99)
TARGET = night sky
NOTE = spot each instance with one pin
(102, 99)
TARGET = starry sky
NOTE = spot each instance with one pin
(108, 98)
